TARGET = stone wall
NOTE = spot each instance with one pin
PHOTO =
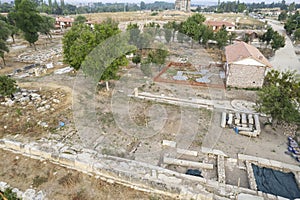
(243, 76)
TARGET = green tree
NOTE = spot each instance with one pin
(280, 97)
(79, 42)
(28, 20)
(134, 33)
(192, 27)
(46, 26)
(137, 59)
(143, 5)
(7, 86)
(12, 25)
(268, 36)
(80, 19)
(282, 16)
(221, 37)
(297, 34)
(4, 34)
(278, 41)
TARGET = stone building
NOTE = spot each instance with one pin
(183, 5)
(245, 66)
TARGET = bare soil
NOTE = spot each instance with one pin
(61, 183)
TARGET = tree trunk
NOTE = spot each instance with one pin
(4, 63)
(34, 46)
(107, 86)
(13, 38)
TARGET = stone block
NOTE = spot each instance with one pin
(281, 198)
(28, 194)
(187, 163)
(169, 179)
(249, 197)
(187, 152)
(13, 145)
(84, 166)
(66, 159)
(223, 120)
(169, 143)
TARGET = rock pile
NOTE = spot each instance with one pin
(29, 194)
(41, 56)
(40, 102)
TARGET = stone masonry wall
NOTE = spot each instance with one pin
(242, 76)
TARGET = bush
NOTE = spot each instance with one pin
(8, 194)
(7, 86)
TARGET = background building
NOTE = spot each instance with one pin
(183, 5)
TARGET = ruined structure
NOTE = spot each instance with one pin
(183, 5)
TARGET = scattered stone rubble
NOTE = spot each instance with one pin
(29, 194)
(40, 56)
(40, 102)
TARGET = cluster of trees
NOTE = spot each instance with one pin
(62, 8)
(292, 25)
(231, 6)
(24, 18)
(145, 52)
(195, 28)
(280, 97)
(237, 7)
(274, 38)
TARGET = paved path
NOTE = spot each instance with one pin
(285, 58)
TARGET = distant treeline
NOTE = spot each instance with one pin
(236, 6)
(62, 8)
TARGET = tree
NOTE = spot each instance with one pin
(4, 34)
(7, 86)
(221, 37)
(28, 20)
(80, 19)
(297, 34)
(280, 97)
(278, 41)
(46, 26)
(137, 59)
(143, 5)
(79, 42)
(134, 33)
(12, 26)
(192, 27)
(267, 36)
(282, 16)
(232, 36)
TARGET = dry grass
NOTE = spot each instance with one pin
(60, 183)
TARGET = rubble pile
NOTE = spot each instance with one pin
(40, 102)
(41, 56)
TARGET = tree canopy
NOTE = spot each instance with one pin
(28, 19)
(4, 34)
(7, 86)
(280, 97)
(79, 42)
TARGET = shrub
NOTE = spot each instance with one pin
(7, 86)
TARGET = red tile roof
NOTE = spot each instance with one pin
(219, 23)
(64, 19)
(241, 50)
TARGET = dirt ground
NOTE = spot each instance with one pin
(61, 183)
(128, 127)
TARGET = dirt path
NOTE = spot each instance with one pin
(285, 58)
